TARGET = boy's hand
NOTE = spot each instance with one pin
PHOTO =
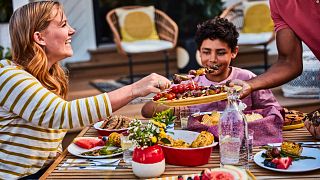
(246, 87)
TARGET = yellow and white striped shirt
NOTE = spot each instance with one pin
(33, 121)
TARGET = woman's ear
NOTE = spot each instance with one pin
(38, 38)
(235, 52)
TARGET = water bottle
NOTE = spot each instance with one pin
(233, 133)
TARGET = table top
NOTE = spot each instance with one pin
(54, 172)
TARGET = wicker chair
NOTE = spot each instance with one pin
(235, 14)
(166, 28)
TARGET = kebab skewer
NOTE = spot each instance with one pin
(177, 78)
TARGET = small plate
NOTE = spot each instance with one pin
(76, 151)
(302, 165)
(107, 132)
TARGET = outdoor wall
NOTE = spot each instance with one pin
(80, 17)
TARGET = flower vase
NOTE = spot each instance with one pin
(148, 162)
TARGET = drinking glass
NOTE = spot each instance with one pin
(185, 114)
(127, 147)
(250, 143)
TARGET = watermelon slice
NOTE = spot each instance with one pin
(88, 142)
(220, 174)
(223, 173)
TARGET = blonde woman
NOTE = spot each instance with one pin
(34, 116)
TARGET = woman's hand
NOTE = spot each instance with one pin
(246, 87)
(152, 83)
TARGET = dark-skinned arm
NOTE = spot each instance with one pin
(288, 66)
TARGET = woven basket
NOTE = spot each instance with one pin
(307, 85)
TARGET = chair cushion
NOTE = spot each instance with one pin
(146, 46)
(254, 38)
(257, 17)
(137, 24)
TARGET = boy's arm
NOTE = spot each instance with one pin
(150, 108)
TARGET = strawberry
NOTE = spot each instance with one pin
(196, 177)
(101, 143)
(284, 162)
(275, 160)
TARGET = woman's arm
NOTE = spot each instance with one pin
(153, 83)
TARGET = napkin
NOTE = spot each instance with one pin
(95, 164)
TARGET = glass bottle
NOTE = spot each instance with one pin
(233, 133)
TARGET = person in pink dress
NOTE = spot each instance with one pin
(217, 43)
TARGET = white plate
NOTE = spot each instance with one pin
(302, 165)
(76, 151)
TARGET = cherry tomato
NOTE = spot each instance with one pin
(170, 96)
(174, 89)
(181, 88)
(191, 86)
(157, 96)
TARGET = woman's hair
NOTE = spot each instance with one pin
(217, 28)
(24, 22)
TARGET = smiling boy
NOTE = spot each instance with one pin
(217, 44)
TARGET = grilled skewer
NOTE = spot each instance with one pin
(177, 78)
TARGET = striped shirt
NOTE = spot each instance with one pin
(33, 121)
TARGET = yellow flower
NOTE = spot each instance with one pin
(156, 123)
(162, 134)
(163, 125)
(154, 139)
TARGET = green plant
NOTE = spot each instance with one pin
(145, 135)
(5, 53)
(166, 117)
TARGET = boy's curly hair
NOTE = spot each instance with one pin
(217, 28)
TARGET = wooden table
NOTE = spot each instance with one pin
(294, 135)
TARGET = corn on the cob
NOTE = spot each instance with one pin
(291, 148)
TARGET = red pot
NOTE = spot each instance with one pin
(148, 162)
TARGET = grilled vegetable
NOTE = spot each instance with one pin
(291, 148)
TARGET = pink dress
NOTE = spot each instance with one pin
(267, 130)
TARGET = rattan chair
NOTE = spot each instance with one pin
(235, 14)
(166, 28)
